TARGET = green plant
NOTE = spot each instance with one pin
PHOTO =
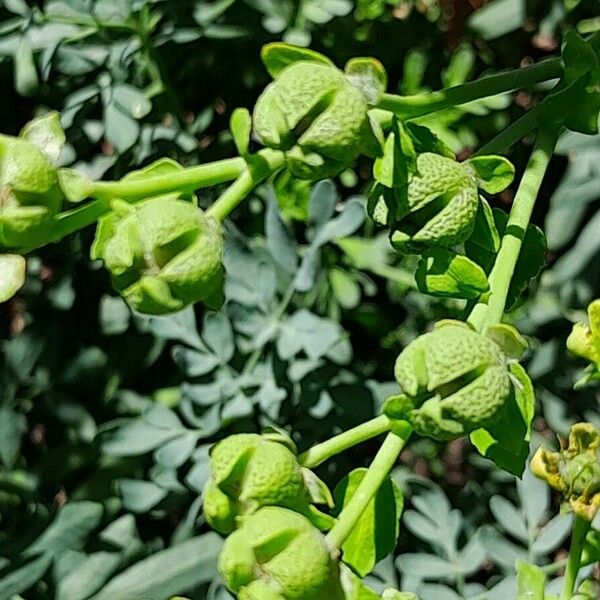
(149, 224)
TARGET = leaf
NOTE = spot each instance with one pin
(121, 130)
(88, 576)
(13, 271)
(176, 452)
(376, 531)
(498, 18)
(218, 335)
(280, 239)
(445, 274)
(12, 426)
(506, 442)
(500, 550)
(241, 128)
(369, 76)
(207, 12)
(276, 56)
(114, 315)
(23, 577)
(493, 173)
(167, 572)
(73, 523)
(552, 534)
(140, 496)
(531, 581)
(26, 78)
(425, 566)
(509, 517)
(180, 326)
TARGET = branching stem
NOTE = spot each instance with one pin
(516, 227)
(361, 433)
(491, 85)
(380, 467)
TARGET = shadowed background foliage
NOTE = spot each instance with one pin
(106, 417)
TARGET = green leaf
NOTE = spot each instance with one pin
(445, 274)
(74, 522)
(375, 533)
(26, 78)
(369, 76)
(509, 339)
(47, 134)
(13, 270)
(485, 238)
(506, 442)
(279, 55)
(493, 173)
(12, 426)
(89, 575)
(498, 18)
(241, 128)
(531, 581)
(140, 496)
(167, 572)
(24, 577)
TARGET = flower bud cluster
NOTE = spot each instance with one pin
(575, 470)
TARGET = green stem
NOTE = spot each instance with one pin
(257, 171)
(374, 477)
(186, 180)
(361, 433)
(516, 227)
(512, 134)
(580, 529)
(491, 85)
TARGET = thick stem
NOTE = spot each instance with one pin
(512, 134)
(491, 85)
(580, 529)
(374, 477)
(257, 171)
(186, 180)
(516, 227)
(361, 433)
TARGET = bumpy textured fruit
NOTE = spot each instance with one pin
(277, 554)
(249, 471)
(584, 341)
(318, 118)
(162, 254)
(440, 206)
(29, 194)
(574, 471)
(454, 381)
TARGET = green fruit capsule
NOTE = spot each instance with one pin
(440, 206)
(318, 118)
(163, 254)
(30, 197)
(277, 554)
(249, 471)
(454, 381)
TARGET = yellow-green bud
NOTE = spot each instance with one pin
(454, 381)
(574, 471)
(319, 119)
(277, 554)
(163, 254)
(249, 471)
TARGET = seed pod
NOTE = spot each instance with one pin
(318, 118)
(278, 554)
(574, 471)
(439, 208)
(29, 194)
(454, 381)
(163, 254)
(249, 471)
